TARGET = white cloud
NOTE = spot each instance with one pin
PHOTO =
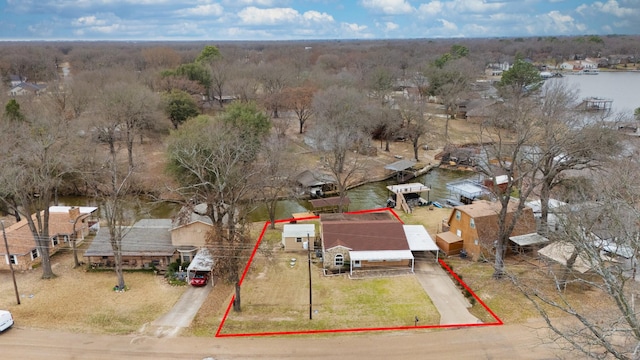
(275, 16)
(317, 17)
(612, 7)
(390, 26)
(354, 28)
(202, 10)
(244, 3)
(431, 9)
(389, 7)
(448, 25)
(474, 6)
(88, 21)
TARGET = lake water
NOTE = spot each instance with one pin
(373, 195)
(621, 87)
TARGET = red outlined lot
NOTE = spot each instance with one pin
(350, 330)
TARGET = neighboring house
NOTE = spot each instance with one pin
(189, 231)
(474, 228)
(364, 241)
(146, 244)
(555, 213)
(315, 183)
(64, 223)
(26, 88)
(15, 80)
(475, 109)
(296, 237)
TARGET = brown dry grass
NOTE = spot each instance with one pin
(81, 301)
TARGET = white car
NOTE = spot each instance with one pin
(6, 320)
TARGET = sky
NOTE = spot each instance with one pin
(262, 20)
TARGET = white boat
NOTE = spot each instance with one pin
(591, 71)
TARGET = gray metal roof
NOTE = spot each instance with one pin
(400, 165)
(148, 237)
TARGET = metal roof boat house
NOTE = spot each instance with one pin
(408, 195)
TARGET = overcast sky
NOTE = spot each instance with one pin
(313, 19)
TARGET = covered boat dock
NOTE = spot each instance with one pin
(406, 193)
(402, 169)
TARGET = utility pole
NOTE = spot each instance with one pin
(13, 275)
(309, 258)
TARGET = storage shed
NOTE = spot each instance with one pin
(296, 237)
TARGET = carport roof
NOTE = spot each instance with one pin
(419, 239)
(203, 261)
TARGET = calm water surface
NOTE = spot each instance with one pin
(621, 87)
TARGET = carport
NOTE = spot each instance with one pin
(419, 239)
(202, 262)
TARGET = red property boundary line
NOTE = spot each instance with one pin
(350, 330)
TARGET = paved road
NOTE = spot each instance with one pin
(492, 342)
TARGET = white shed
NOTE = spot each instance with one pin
(297, 237)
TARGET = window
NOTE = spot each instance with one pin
(186, 258)
(338, 260)
(11, 258)
(298, 239)
(54, 240)
(356, 263)
(34, 254)
(458, 215)
(472, 223)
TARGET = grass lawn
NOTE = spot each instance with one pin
(275, 297)
(81, 301)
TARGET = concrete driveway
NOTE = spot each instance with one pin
(448, 299)
(181, 315)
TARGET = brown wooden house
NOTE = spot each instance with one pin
(474, 228)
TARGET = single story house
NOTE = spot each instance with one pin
(65, 222)
(296, 237)
(146, 244)
(474, 228)
(364, 241)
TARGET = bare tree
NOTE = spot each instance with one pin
(566, 141)
(603, 237)
(505, 155)
(274, 79)
(415, 123)
(278, 169)
(37, 150)
(214, 160)
(339, 129)
(219, 80)
(133, 107)
(300, 100)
